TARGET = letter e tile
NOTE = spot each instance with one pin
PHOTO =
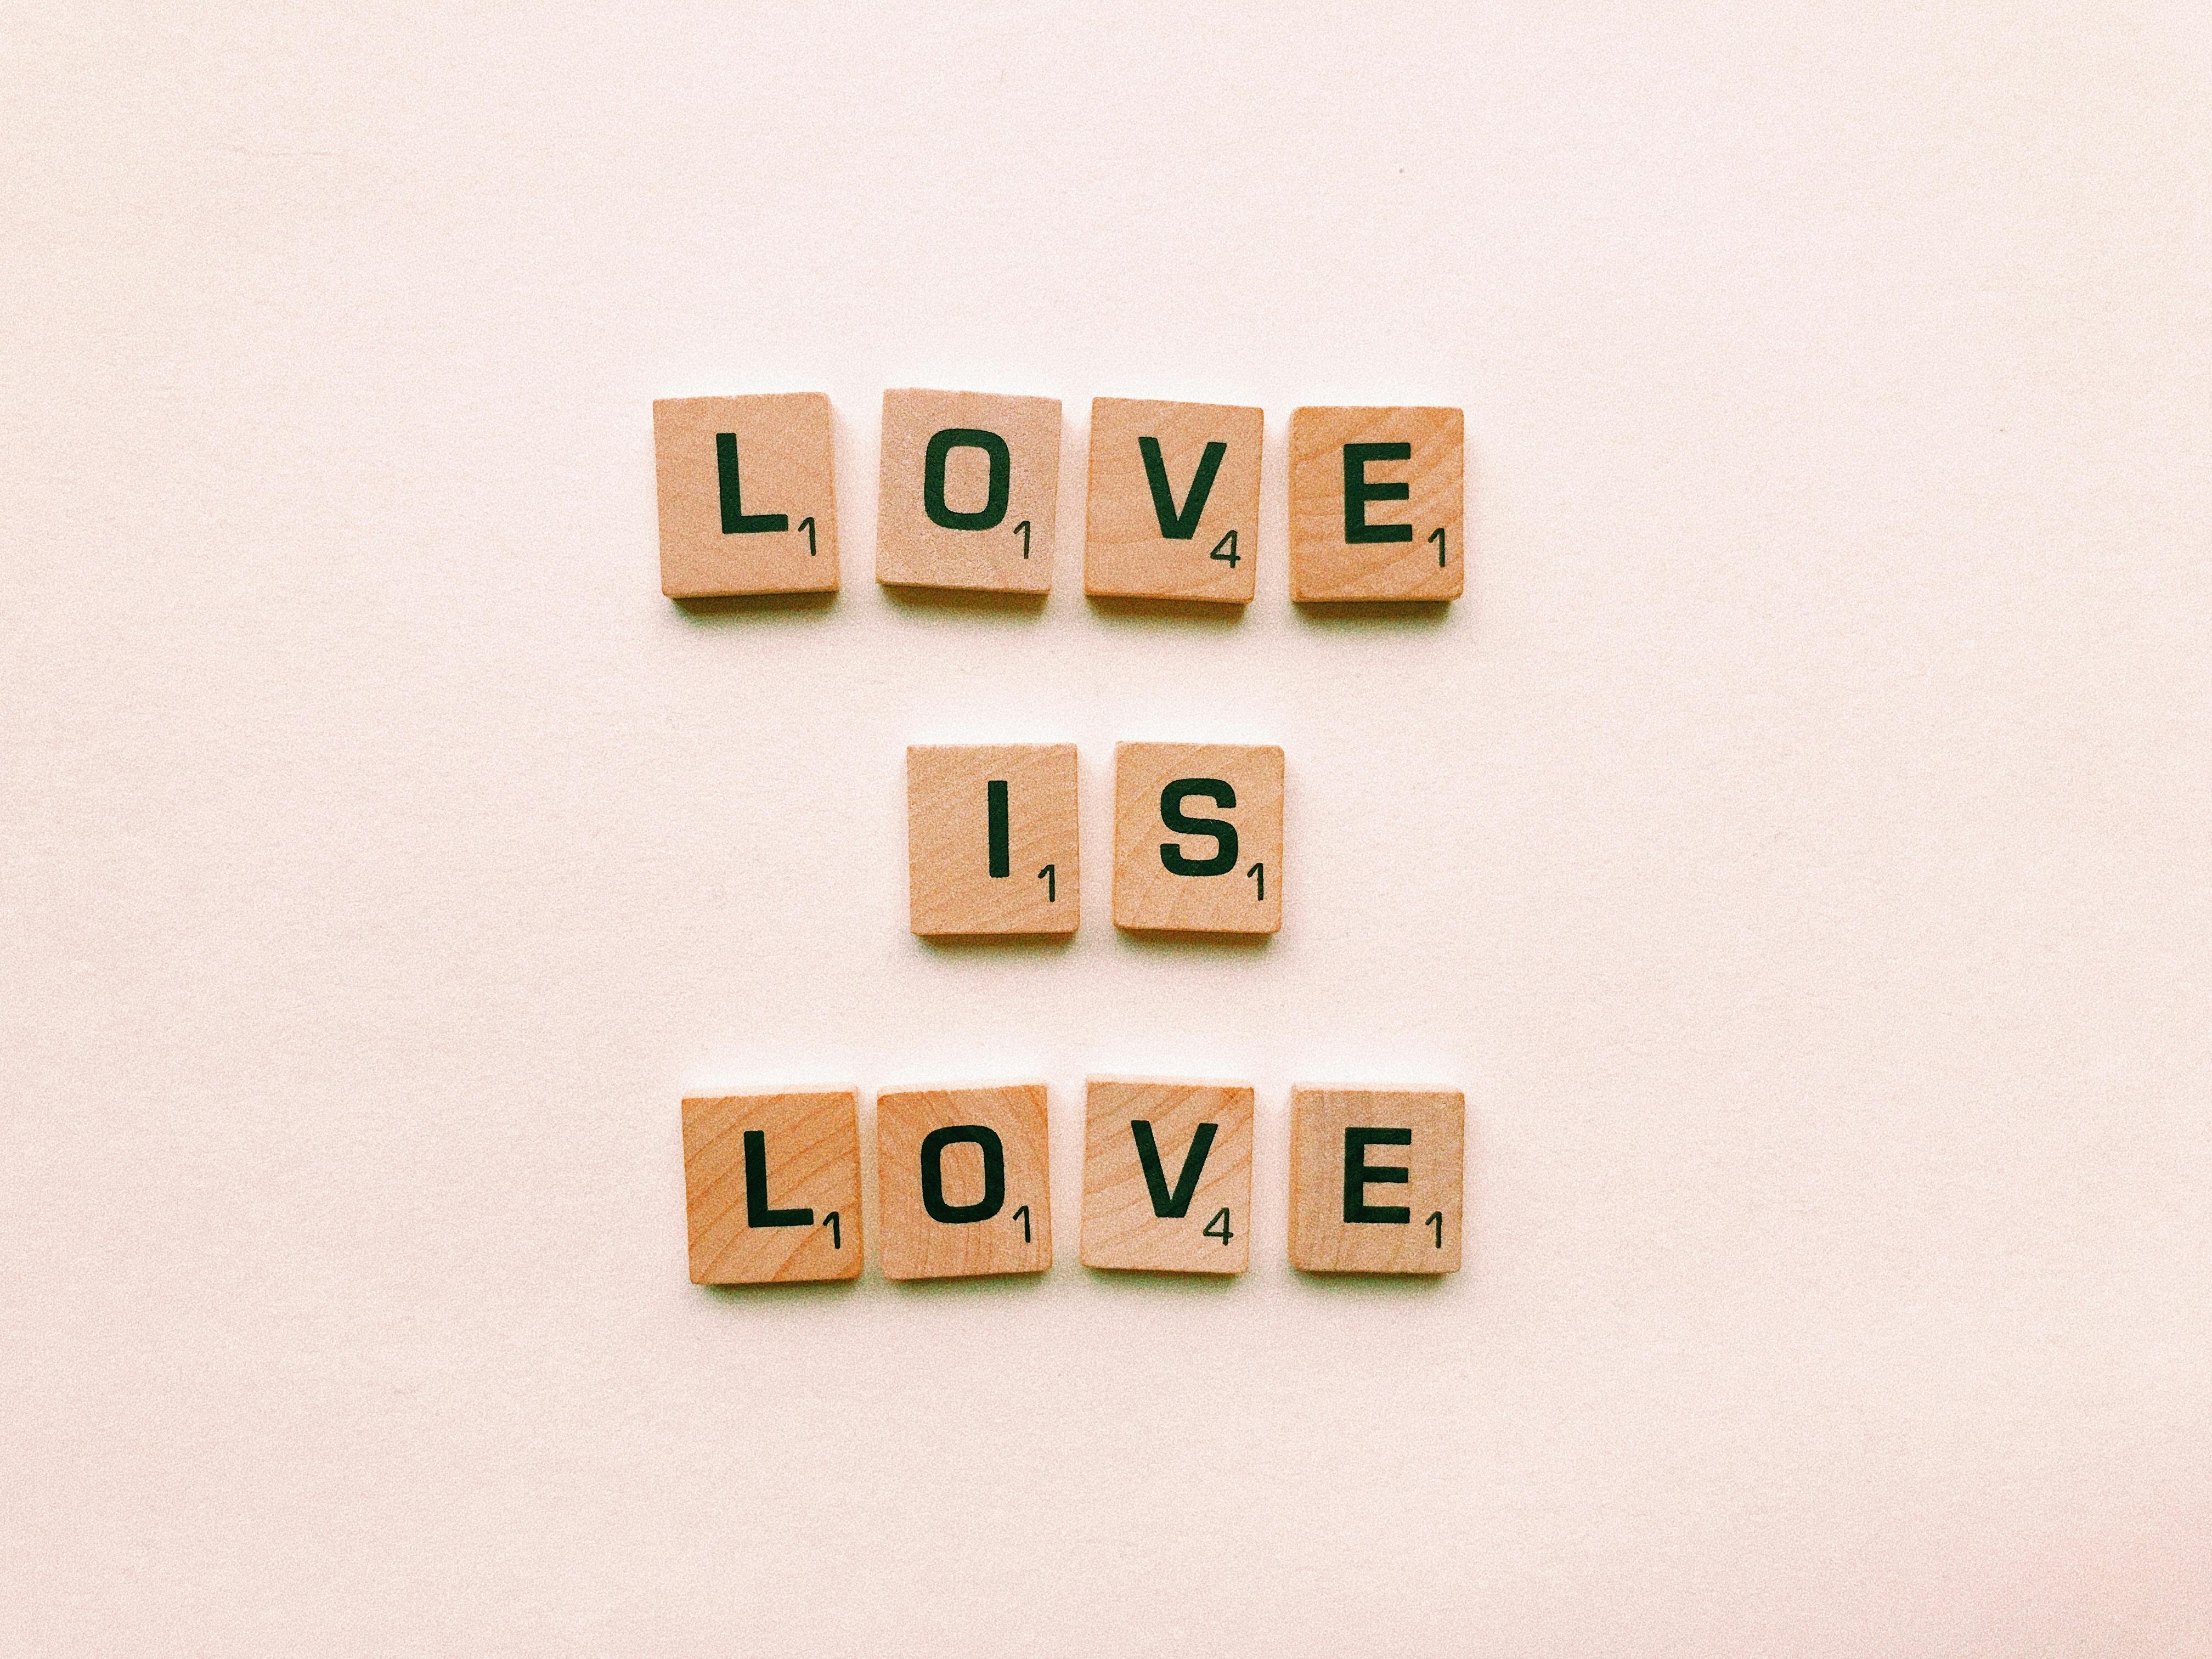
(1377, 504)
(1377, 1177)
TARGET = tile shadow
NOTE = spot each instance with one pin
(1409, 616)
(973, 601)
(1151, 1285)
(975, 944)
(1209, 614)
(1171, 941)
(974, 1287)
(806, 1289)
(753, 605)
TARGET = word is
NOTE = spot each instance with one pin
(992, 847)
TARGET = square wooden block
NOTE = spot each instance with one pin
(1198, 837)
(1377, 1176)
(1167, 1176)
(970, 485)
(1377, 504)
(772, 1186)
(965, 1180)
(748, 504)
(991, 839)
(1175, 501)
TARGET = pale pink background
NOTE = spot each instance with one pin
(1795, 844)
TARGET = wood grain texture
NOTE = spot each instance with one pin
(1149, 892)
(914, 549)
(1123, 1225)
(781, 451)
(1323, 1240)
(951, 888)
(807, 1159)
(1325, 564)
(1127, 550)
(963, 1135)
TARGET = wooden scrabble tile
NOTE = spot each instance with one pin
(1377, 504)
(1198, 837)
(772, 1186)
(965, 1182)
(1167, 1176)
(971, 486)
(991, 839)
(1376, 1180)
(1175, 501)
(747, 500)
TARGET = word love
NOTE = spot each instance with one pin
(969, 498)
(992, 847)
(772, 1180)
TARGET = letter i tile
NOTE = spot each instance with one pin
(991, 839)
